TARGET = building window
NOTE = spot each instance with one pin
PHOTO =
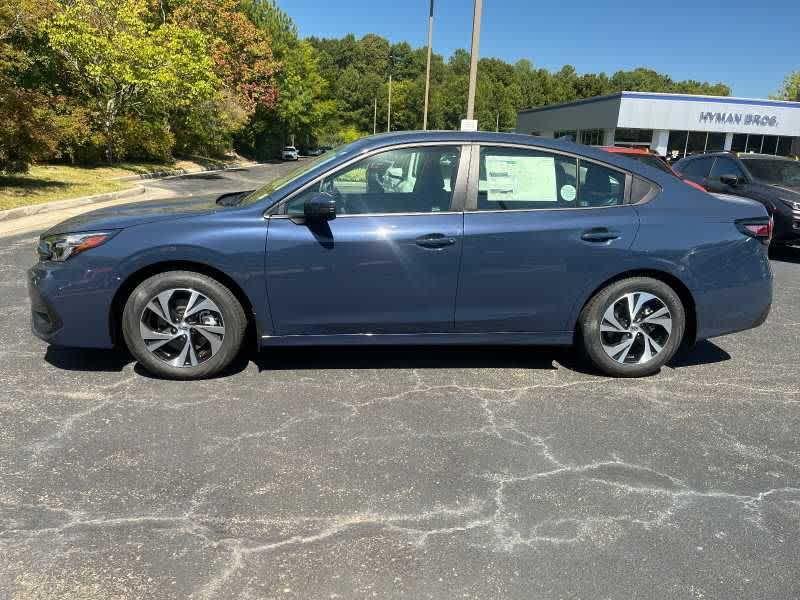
(715, 142)
(696, 143)
(739, 142)
(754, 143)
(592, 137)
(633, 137)
(785, 146)
(566, 133)
(676, 146)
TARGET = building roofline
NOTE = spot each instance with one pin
(667, 97)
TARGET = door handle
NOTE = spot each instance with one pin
(435, 240)
(599, 234)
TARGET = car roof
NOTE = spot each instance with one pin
(490, 137)
(754, 156)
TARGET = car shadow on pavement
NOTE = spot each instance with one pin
(785, 254)
(380, 357)
(703, 353)
(81, 359)
(407, 357)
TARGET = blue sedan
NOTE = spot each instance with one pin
(414, 238)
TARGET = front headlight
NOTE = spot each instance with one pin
(792, 204)
(62, 246)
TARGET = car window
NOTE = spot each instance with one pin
(405, 180)
(725, 166)
(698, 168)
(780, 172)
(600, 186)
(518, 179)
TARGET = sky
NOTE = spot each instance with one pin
(751, 46)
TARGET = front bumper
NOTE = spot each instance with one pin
(787, 228)
(71, 303)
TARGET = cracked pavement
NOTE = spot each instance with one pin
(415, 472)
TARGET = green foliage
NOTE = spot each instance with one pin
(87, 80)
(791, 87)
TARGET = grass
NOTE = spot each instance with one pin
(46, 183)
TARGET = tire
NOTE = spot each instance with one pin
(202, 335)
(604, 327)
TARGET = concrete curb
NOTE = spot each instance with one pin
(178, 172)
(34, 209)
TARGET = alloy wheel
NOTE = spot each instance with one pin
(182, 327)
(635, 328)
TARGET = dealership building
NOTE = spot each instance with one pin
(672, 124)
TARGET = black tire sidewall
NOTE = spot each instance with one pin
(592, 315)
(232, 314)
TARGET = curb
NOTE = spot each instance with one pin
(34, 209)
(178, 172)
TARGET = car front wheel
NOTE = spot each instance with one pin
(632, 327)
(183, 325)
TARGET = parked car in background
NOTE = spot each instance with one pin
(648, 158)
(773, 181)
(316, 151)
(414, 238)
(290, 153)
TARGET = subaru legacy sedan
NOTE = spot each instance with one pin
(414, 238)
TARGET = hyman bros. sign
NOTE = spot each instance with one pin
(722, 118)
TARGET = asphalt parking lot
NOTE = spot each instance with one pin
(383, 473)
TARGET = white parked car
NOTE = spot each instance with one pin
(290, 153)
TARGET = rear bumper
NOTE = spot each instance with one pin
(742, 305)
(70, 305)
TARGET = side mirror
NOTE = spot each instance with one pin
(320, 207)
(731, 180)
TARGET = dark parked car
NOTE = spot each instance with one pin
(773, 181)
(414, 238)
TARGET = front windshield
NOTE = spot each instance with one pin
(281, 182)
(779, 172)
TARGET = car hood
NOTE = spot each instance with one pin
(128, 215)
(794, 190)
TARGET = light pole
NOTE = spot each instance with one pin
(473, 62)
(375, 117)
(428, 69)
(389, 111)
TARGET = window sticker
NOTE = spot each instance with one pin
(521, 179)
(568, 193)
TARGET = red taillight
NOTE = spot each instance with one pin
(757, 228)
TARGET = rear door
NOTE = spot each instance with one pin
(541, 228)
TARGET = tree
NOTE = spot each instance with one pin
(27, 130)
(791, 87)
(127, 70)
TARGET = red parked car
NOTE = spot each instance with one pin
(650, 159)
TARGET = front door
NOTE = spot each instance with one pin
(542, 229)
(388, 262)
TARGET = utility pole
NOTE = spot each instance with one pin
(375, 117)
(497, 127)
(473, 63)
(389, 112)
(428, 69)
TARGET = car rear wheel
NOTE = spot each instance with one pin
(632, 327)
(183, 325)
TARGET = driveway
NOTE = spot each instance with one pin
(387, 473)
